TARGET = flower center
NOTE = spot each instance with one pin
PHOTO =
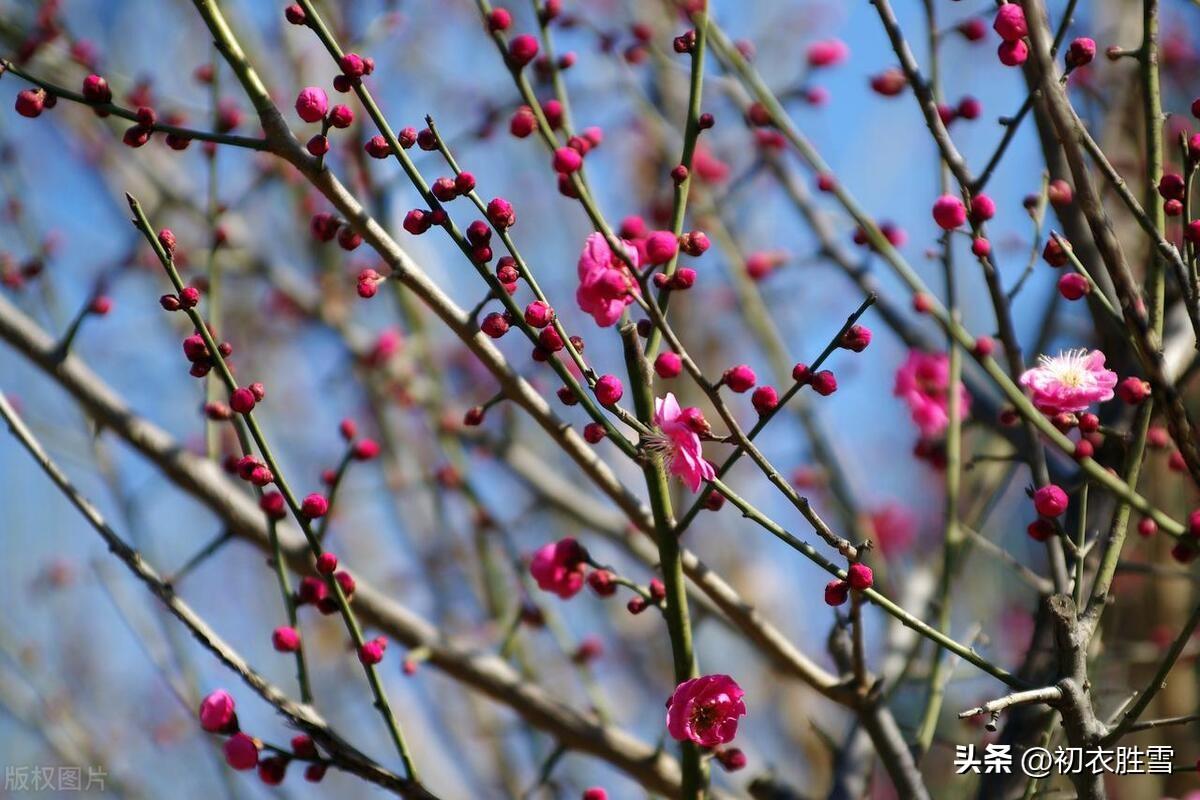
(658, 444)
(703, 717)
(1069, 368)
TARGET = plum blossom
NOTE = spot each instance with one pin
(1070, 381)
(605, 282)
(923, 382)
(678, 444)
(705, 710)
(558, 567)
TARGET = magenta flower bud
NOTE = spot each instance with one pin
(973, 30)
(217, 711)
(353, 65)
(668, 364)
(417, 221)
(285, 639)
(522, 49)
(378, 147)
(1081, 52)
(888, 83)
(494, 325)
(295, 14)
(324, 227)
(827, 53)
(272, 771)
(241, 752)
(856, 338)
(522, 123)
(1171, 186)
(372, 652)
(499, 19)
(1073, 286)
(311, 590)
(95, 90)
(983, 208)
(478, 233)
(765, 399)
(136, 136)
(1010, 22)
(1013, 54)
(981, 247)
(837, 592)
(1050, 501)
(1059, 193)
(444, 189)
(318, 145)
(609, 390)
(1133, 391)
(341, 116)
(346, 581)
(30, 102)
(242, 400)
(969, 108)
(501, 213)
(365, 450)
(949, 212)
(684, 278)
(859, 576)
(694, 243)
(326, 563)
(740, 378)
(824, 383)
(731, 759)
(1040, 530)
(273, 505)
(661, 247)
(539, 314)
(464, 182)
(312, 103)
(314, 506)
(567, 160)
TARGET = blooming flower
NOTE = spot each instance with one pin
(923, 382)
(605, 281)
(678, 444)
(558, 567)
(705, 710)
(1069, 382)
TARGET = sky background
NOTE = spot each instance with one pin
(71, 608)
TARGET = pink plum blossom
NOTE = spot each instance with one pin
(678, 444)
(705, 710)
(605, 282)
(1070, 381)
(558, 568)
(923, 382)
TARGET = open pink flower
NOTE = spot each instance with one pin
(923, 382)
(705, 710)
(678, 444)
(1070, 381)
(558, 568)
(605, 282)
